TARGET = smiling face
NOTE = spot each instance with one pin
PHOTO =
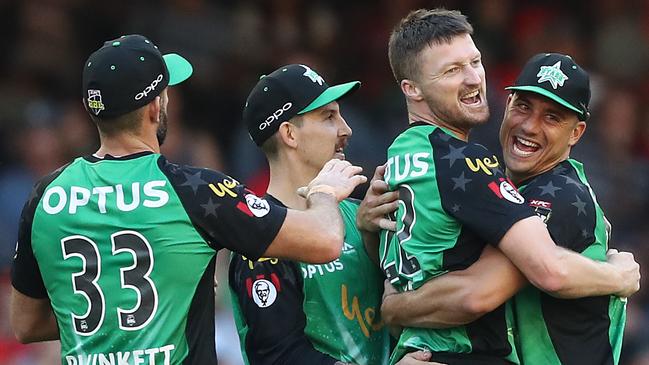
(321, 136)
(536, 134)
(453, 83)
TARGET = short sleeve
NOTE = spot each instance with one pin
(474, 190)
(25, 272)
(224, 211)
(565, 206)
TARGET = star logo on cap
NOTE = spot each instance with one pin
(553, 74)
(313, 75)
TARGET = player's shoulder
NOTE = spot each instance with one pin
(188, 171)
(560, 190)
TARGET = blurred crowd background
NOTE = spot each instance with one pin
(231, 43)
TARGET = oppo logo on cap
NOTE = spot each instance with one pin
(149, 88)
(275, 116)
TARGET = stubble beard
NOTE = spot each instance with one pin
(458, 117)
(161, 132)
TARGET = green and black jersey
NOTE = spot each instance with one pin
(569, 332)
(295, 313)
(454, 200)
(124, 248)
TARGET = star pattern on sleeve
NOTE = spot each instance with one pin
(460, 182)
(210, 208)
(580, 205)
(574, 182)
(454, 154)
(193, 180)
(549, 189)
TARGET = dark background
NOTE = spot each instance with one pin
(231, 43)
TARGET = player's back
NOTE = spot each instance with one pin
(128, 275)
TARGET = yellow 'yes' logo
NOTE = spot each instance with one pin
(485, 164)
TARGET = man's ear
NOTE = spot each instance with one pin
(577, 132)
(411, 90)
(153, 108)
(288, 134)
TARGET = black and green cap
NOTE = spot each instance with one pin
(557, 77)
(288, 91)
(127, 73)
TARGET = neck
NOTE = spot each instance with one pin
(124, 144)
(416, 112)
(285, 178)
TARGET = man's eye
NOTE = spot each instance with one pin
(453, 70)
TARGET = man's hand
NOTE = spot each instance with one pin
(388, 289)
(629, 271)
(378, 202)
(417, 358)
(337, 177)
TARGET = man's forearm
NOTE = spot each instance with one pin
(437, 304)
(556, 270)
(458, 297)
(585, 277)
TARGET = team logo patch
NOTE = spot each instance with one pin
(552, 74)
(94, 101)
(506, 190)
(257, 206)
(264, 293)
(313, 75)
(542, 209)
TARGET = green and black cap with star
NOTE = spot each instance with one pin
(127, 73)
(288, 91)
(557, 77)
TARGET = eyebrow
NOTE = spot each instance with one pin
(553, 107)
(454, 63)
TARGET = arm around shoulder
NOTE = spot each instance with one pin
(561, 272)
(458, 297)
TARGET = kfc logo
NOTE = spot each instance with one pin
(264, 293)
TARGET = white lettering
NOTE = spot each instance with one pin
(149, 88)
(413, 166)
(388, 169)
(101, 191)
(122, 358)
(78, 197)
(275, 116)
(63, 199)
(121, 205)
(107, 360)
(167, 350)
(397, 174)
(151, 192)
(417, 162)
(151, 353)
(137, 357)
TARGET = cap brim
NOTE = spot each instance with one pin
(179, 68)
(332, 93)
(547, 94)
